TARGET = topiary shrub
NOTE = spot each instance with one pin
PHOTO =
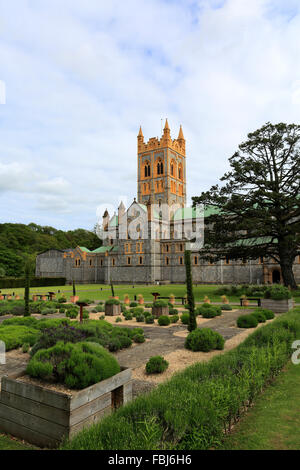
(156, 365)
(260, 317)
(173, 311)
(150, 319)
(163, 320)
(174, 318)
(75, 365)
(62, 310)
(125, 341)
(118, 319)
(204, 339)
(185, 318)
(140, 318)
(62, 300)
(133, 304)
(25, 347)
(138, 338)
(148, 305)
(18, 310)
(209, 312)
(128, 316)
(72, 313)
(226, 307)
(114, 344)
(269, 315)
(48, 311)
(247, 321)
(160, 303)
(99, 308)
(137, 311)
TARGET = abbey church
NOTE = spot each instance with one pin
(155, 253)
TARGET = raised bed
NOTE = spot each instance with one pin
(112, 310)
(159, 311)
(44, 417)
(277, 306)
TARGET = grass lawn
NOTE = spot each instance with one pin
(274, 421)
(94, 292)
(10, 443)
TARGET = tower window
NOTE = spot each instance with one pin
(129, 260)
(140, 260)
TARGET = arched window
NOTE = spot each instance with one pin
(160, 168)
(147, 170)
(172, 169)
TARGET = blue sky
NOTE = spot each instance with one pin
(81, 76)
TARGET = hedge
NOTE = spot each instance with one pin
(196, 407)
(17, 282)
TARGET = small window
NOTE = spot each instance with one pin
(129, 260)
(227, 260)
(113, 262)
(101, 262)
(181, 260)
(91, 262)
(167, 260)
(140, 260)
(195, 260)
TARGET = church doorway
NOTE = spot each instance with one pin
(276, 276)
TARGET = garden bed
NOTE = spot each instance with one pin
(44, 415)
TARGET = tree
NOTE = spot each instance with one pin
(192, 325)
(256, 213)
(27, 288)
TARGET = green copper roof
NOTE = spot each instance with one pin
(102, 249)
(83, 248)
(114, 221)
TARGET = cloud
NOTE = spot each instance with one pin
(82, 76)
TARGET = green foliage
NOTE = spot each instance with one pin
(164, 320)
(174, 318)
(204, 339)
(112, 302)
(118, 319)
(192, 323)
(149, 305)
(140, 318)
(25, 348)
(48, 311)
(173, 311)
(156, 365)
(62, 300)
(75, 365)
(72, 313)
(226, 307)
(209, 312)
(14, 336)
(27, 289)
(277, 292)
(185, 318)
(138, 338)
(269, 315)
(212, 395)
(260, 317)
(136, 311)
(133, 304)
(247, 321)
(149, 319)
(160, 303)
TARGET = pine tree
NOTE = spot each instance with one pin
(27, 288)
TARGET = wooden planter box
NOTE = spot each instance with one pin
(112, 310)
(159, 311)
(45, 417)
(278, 306)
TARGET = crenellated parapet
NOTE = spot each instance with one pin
(178, 145)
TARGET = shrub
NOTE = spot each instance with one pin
(48, 311)
(185, 318)
(148, 305)
(133, 304)
(72, 313)
(125, 341)
(259, 316)
(160, 303)
(118, 319)
(128, 316)
(173, 311)
(62, 310)
(85, 315)
(209, 312)
(75, 365)
(163, 320)
(62, 300)
(14, 336)
(85, 301)
(114, 344)
(156, 365)
(247, 321)
(204, 339)
(277, 292)
(138, 338)
(25, 348)
(112, 302)
(140, 318)
(269, 315)
(150, 319)
(137, 311)
(18, 310)
(226, 307)
(99, 308)
(62, 332)
(174, 318)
